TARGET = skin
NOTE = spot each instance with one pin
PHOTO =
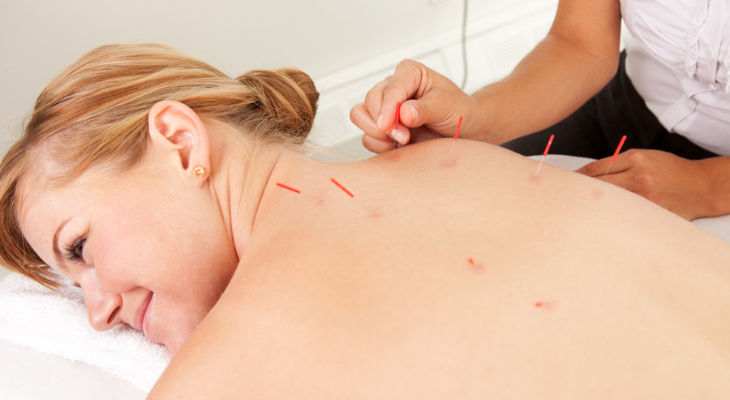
(577, 59)
(509, 290)
(137, 242)
(575, 288)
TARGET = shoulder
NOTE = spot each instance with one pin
(269, 336)
(455, 157)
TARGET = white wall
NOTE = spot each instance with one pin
(335, 41)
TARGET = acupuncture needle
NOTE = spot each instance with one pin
(544, 154)
(456, 136)
(618, 149)
(397, 119)
(281, 185)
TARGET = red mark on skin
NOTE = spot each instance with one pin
(550, 142)
(618, 149)
(397, 115)
(534, 179)
(597, 193)
(342, 187)
(448, 163)
(287, 187)
(393, 154)
(458, 126)
(475, 266)
(545, 305)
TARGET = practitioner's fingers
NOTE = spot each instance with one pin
(374, 101)
(682, 186)
(407, 82)
(426, 97)
(598, 168)
(372, 138)
(384, 119)
(376, 145)
(636, 181)
(422, 134)
(381, 103)
(435, 101)
(379, 142)
(361, 117)
(621, 179)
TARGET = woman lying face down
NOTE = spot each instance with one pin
(179, 202)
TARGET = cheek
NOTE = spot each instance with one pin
(176, 255)
(125, 245)
(180, 251)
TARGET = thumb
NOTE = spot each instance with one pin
(431, 112)
(423, 111)
(411, 113)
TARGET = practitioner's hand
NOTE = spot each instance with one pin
(430, 108)
(677, 184)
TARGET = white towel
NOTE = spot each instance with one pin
(57, 323)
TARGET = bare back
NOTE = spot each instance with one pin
(463, 280)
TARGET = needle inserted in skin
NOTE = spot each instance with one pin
(544, 154)
(281, 185)
(342, 187)
(456, 136)
(618, 149)
(397, 119)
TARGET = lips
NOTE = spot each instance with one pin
(140, 318)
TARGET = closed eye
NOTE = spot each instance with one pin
(75, 252)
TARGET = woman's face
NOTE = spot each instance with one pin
(148, 249)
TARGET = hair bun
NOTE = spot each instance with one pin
(288, 97)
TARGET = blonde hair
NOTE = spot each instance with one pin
(95, 113)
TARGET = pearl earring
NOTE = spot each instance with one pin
(199, 171)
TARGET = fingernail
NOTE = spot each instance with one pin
(415, 114)
(380, 121)
(398, 135)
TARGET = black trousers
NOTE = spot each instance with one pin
(595, 129)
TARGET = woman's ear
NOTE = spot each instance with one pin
(179, 132)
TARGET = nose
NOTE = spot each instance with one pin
(104, 307)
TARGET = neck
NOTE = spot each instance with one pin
(244, 172)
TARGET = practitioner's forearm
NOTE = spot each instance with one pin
(577, 59)
(554, 80)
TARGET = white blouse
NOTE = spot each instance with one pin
(679, 62)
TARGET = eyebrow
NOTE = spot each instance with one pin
(57, 254)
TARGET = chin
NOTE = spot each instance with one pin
(174, 341)
(173, 344)
(176, 333)
(172, 348)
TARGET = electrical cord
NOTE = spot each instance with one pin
(463, 45)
